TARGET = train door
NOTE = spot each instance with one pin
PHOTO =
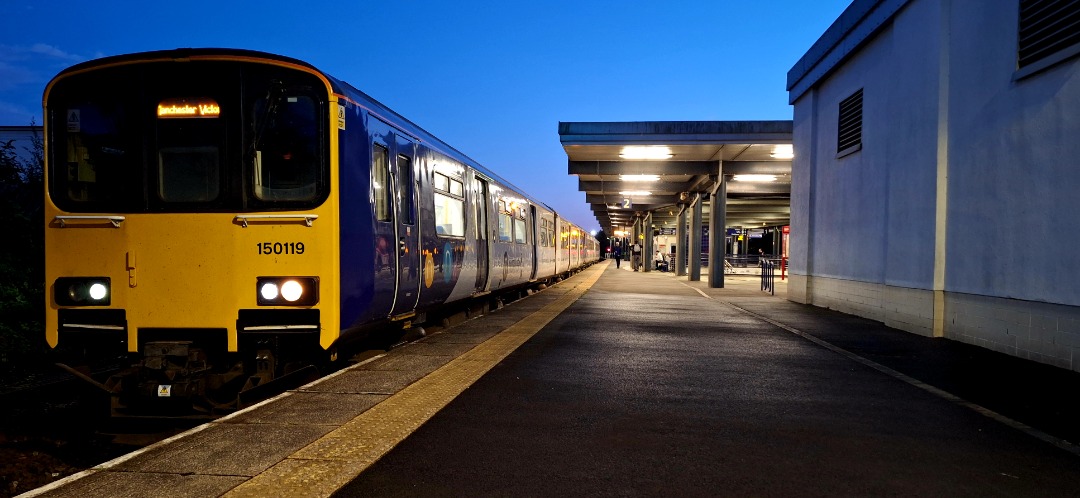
(403, 177)
(385, 277)
(534, 242)
(483, 203)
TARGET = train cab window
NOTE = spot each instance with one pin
(380, 182)
(97, 156)
(286, 143)
(189, 142)
(189, 174)
(190, 136)
(449, 206)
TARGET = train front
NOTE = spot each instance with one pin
(191, 222)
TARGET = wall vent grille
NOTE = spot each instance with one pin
(1047, 27)
(849, 135)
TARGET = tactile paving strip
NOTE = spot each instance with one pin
(329, 463)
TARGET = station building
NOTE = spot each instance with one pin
(22, 138)
(935, 178)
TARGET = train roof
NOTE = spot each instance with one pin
(423, 135)
(340, 86)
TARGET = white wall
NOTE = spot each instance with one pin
(1014, 177)
(872, 211)
(23, 139)
(941, 73)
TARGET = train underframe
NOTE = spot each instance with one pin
(189, 372)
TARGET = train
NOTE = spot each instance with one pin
(219, 219)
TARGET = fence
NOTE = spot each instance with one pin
(768, 276)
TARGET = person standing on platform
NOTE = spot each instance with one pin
(616, 252)
(635, 256)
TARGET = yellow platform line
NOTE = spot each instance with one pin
(334, 460)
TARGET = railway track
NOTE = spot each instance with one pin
(55, 424)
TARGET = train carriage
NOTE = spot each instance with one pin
(225, 215)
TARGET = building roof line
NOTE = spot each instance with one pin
(860, 21)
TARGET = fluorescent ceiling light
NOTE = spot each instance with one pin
(783, 151)
(639, 178)
(646, 152)
(754, 178)
(635, 192)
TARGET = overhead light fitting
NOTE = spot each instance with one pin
(635, 192)
(646, 152)
(754, 178)
(639, 178)
(783, 151)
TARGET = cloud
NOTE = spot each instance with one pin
(14, 114)
(39, 54)
(24, 71)
(55, 53)
(12, 76)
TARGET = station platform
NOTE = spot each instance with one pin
(616, 382)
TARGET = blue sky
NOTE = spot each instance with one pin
(491, 78)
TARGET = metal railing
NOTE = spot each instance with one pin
(768, 276)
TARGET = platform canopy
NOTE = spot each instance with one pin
(628, 168)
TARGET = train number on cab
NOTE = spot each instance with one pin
(278, 248)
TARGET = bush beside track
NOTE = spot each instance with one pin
(22, 264)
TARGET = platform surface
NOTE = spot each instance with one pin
(626, 383)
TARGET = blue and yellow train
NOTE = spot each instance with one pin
(223, 215)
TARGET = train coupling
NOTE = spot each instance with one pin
(172, 376)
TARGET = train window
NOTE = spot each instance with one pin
(442, 182)
(188, 174)
(449, 215)
(520, 235)
(408, 202)
(505, 225)
(189, 140)
(187, 137)
(481, 210)
(449, 207)
(286, 145)
(380, 182)
(101, 161)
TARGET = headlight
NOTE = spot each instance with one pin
(287, 291)
(269, 291)
(292, 291)
(82, 291)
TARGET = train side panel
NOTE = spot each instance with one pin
(449, 257)
(545, 237)
(364, 267)
(512, 254)
(562, 257)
